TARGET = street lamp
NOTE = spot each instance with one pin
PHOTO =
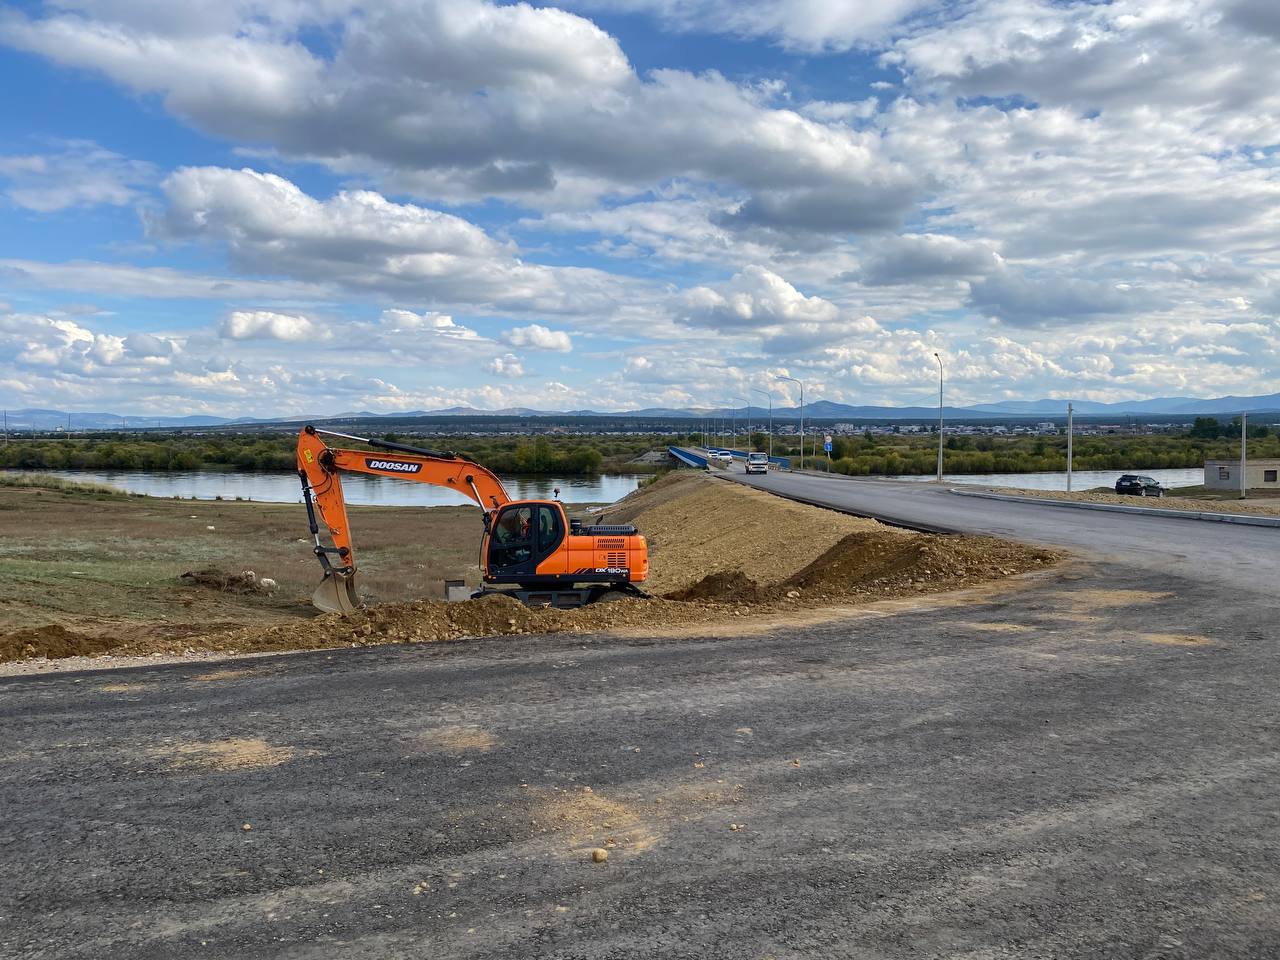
(794, 380)
(939, 359)
(1071, 431)
(770, 396)
(747, 404)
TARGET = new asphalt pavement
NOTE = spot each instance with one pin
(1085, 765)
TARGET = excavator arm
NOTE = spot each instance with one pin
(319, 469)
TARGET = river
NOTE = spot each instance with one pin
(1080, 479)
(284, 487)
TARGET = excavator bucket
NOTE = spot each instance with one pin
(336, 593)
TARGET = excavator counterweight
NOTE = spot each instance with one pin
(530, 549)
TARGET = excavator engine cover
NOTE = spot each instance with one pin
(336, 593)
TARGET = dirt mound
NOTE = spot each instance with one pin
(52, 641)
(723, 586)
(873, 561)
(873, 564)
(698, 526)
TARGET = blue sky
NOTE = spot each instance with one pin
(265, 207)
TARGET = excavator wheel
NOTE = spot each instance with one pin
(337, 593)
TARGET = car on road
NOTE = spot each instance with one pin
(1133, 484)
(720, 456)
(757, 463)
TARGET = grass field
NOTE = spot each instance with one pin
(96, 559)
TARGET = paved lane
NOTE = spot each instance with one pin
(1238, 557)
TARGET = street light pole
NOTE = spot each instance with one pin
(1244, 457)
(770, 396)
(939, 359)
(748, 409)
(794, 380)
(1070, 434)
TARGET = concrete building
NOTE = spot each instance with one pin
(1225, 474)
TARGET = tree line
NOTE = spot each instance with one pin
(569, 455)
(560, 455)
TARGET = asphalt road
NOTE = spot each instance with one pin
(1239, 557)
(1083, 767)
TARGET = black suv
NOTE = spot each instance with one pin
(1138, 486)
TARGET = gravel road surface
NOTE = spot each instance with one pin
(1081, 767)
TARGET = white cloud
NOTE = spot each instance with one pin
(406, 330)
(507, 365)
(755, 299)
(539, 337)
(369, 245)
(81, 174)
(476, 99)
(266, 325)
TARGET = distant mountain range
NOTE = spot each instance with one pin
(33, 419)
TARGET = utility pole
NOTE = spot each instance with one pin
(770, 396)
(1070, 431)
(939, 359)
(1244, 457)
(794, 380)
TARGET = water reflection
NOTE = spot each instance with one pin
(284, 488)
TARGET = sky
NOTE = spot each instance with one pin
(279, 207)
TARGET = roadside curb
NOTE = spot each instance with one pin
(1241, 518)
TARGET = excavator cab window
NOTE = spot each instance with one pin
(524, 536)
(512, 543)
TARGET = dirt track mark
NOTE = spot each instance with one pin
(239, 753)
(221, 675)
(1174, 639)
(588, 820)
(456, 740)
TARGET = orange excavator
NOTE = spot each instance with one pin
(530, 549)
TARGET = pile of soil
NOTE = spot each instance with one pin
(697, 526)
(877, 564)
(53, 641)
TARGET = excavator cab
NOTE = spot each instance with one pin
(524, 535)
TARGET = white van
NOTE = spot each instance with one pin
(757, 463)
